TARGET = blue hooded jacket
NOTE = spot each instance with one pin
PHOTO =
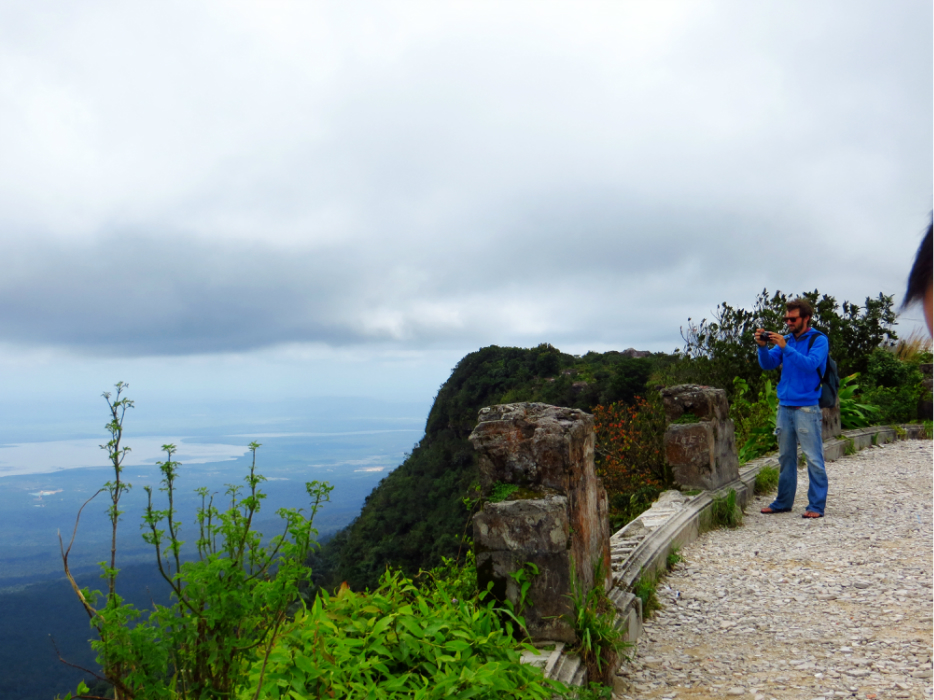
(801, 370)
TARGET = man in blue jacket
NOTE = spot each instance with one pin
(799, 417)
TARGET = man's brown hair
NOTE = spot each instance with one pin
(802, 305)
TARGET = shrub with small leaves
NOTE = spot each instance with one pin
(397, 642)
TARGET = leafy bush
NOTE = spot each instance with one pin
(754, 421)
(457, 580)
(227, 604)
(894, 385)
(854, 414)
(766, 480)
(630, 456)
(725, 511)
(396, 642)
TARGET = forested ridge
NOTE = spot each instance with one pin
(416, 515)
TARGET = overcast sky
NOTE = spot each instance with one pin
(345, 198)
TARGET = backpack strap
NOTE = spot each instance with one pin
(820, 377)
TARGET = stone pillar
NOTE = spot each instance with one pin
(831, 426)
(557, 519)
(702, 454)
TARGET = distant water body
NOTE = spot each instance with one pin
(43, 484)
(44, 457)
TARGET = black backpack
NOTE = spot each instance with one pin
(829, 381)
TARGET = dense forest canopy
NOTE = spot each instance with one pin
(417, 514)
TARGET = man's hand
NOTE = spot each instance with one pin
(763, 336)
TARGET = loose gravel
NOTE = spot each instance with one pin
(790, 608)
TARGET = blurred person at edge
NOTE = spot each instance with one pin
(802, 355)
(919, 281)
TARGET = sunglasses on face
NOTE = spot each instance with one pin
(792, 319)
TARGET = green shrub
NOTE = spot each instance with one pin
(766, 480)
(396, 642)
(725, 511)
(630, 456)
(894, 386)
(458, 580)
(754, 421)
(854, 413)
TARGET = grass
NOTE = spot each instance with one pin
(850, 447)
(686, 418)
(674, 557)
(766, 480)
(928, 428)
(600, 641)
(914, 347)
(644, 590)
(501, 492)
(725, 511)
(874, 440)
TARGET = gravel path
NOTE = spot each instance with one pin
(790, 608)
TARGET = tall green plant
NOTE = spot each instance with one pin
(600, 642)
(853, 413)
(226, 604)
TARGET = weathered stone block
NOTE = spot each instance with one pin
(533, 445)
(558, 518)
(702, 455)
(705, 402)
(831, 426)
(511, 534)
(524, 526)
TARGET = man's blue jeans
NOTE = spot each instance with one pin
(800, 425)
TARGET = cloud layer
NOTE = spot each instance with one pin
(202, 178)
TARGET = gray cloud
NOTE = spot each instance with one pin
(465, 174)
